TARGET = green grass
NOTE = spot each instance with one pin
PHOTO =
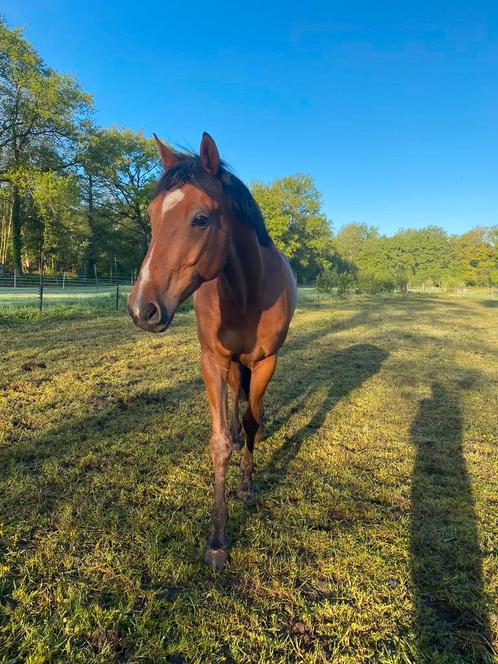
(373, 534)
(58, 304)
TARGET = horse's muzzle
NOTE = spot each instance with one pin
(151, 317)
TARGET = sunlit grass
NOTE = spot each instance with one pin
(373, 534)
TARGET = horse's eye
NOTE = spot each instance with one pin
(200, 221)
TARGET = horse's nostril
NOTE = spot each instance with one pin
(151, 314)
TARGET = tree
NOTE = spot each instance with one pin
(417, 256)
(422, 254)
(474, 255)
(119, 168)
(291, 207)
(350, 241)
(63, 227)
(41, 114)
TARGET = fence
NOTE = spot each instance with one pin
(40, 290)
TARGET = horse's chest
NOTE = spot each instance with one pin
(237, 339)
(234, 334)
(249, 340)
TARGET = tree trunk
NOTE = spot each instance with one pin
(92, 249)
(16, 229)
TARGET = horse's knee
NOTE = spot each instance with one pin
(221, 448)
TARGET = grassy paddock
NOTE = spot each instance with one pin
(472, 292)
(18, 304)
(373, 533)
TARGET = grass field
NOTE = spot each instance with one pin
(373, 535)
(23, 303)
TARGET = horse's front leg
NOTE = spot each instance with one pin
(221, 446)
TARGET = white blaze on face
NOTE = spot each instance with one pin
(170, 200)
(145, 270)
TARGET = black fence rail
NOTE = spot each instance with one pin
(62, 280)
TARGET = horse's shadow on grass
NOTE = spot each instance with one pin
(451, 617)
(328, 376)
(339, 374)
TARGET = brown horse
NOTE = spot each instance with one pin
(209, 238)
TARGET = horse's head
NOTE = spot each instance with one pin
(190, 240)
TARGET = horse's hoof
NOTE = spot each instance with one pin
(216, 558)
(245, 491)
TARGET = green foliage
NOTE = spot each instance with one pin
(340, 283)
(42, 114)
(291, 207)
(372, 285)
(423, 256)
(75, 193)
(347, 283)
(350, 241)
(475, 256)
(119, 168)
(327, 280)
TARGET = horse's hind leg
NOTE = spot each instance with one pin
(235, 382)
(253, 420)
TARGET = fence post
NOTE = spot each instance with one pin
(95, 271)
(15, 277)
(63, 280)
(42, 269)
(117, 282)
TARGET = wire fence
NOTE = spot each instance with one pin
(24, 294)
(42, 291)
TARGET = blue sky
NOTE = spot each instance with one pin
(391, 107)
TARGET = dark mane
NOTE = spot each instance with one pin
(189, 169)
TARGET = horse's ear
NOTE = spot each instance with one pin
(210, 158)
(168, 157)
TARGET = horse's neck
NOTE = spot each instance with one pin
(242, 277)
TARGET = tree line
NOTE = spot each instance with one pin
(358, 257)
(75, 195)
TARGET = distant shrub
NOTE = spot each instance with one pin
(372, 285)
(452, 282)
(326, 281)
(339, 283)
(347, 283)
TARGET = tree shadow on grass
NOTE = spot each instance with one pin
(451, 620)
(70, 442)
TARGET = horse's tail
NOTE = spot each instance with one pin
(245, 381)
